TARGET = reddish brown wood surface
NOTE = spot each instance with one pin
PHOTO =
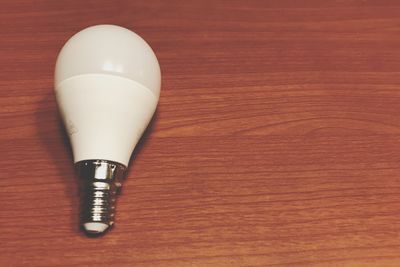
(276, 141)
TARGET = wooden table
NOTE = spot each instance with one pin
(276, 141)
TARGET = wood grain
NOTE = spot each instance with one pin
(276, 141)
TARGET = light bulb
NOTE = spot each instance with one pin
(107, 83)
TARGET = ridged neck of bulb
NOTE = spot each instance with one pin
(100, 183)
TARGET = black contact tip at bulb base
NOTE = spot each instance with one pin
(100, 183)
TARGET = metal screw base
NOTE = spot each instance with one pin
(101, 181)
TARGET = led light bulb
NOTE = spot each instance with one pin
(107, 83)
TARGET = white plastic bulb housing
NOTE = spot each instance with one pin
(107, 83)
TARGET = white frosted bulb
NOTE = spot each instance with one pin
(107, 83)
